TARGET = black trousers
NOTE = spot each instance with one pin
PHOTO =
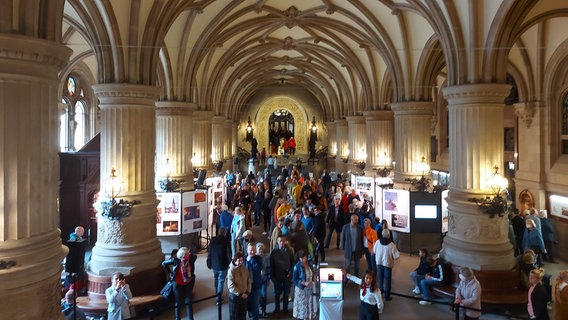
(368, 311)
(237, 307)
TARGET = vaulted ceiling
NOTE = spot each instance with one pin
(350, 55)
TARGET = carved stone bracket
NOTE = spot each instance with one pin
(525, 111)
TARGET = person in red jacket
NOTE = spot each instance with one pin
(292, 145)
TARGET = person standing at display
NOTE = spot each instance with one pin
(369, 239)
(281, 264)
(468, 294)
(352, 244)
(335, 221)
(385, 254)
(181, 270)
(537, 296)
(239, 283)
(218, 261)
(117, 296)
(303, 279)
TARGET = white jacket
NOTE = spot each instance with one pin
(385, 254)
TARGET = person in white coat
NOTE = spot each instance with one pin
(468, 294)
(118, 296)
(385, 254)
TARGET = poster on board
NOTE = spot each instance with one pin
(194, 207)
(396, 209)
(379, 203)
(559, 206)
(168, 214)
(216, 197)
(365, 187)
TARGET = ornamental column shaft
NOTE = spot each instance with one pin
(29, 234)
(342, 135)
(202, 135)
(411, 137)
(476, 145)
(128, 145)
(228, 140)
(380, 138)
(174, 142)
(218, 138)
(357, 138)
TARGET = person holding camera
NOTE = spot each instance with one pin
(118, 295)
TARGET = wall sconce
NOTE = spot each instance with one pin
(249, 131)
(361, 164)
(313, 139)
(385, 170)
(113, 210)
(497, 204)
(422, 183)
(169, 185)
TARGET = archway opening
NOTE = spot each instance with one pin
(281, 124)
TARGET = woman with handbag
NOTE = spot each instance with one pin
(118, 295)
(181, 272)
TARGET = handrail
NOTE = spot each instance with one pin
(192, 302)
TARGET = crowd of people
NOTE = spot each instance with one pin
(298, 215)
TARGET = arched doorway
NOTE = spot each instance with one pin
(281, 124)
(297, 114)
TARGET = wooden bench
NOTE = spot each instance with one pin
(499, 287)
(142, 304)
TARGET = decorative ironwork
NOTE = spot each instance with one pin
(384, 171)
(113, 210)
(492, 205)
(169, 185)
(421, 184)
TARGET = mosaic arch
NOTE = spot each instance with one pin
(300, 122)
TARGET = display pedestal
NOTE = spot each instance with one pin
(330, 309)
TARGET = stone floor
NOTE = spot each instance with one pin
(399, 307)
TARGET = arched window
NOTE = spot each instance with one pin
(564, 133)
(80, 125)
(74, 120)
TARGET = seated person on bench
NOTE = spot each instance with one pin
(436, 278)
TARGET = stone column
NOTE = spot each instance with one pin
(476, 145)
(228, 142)
(202, 139)
(217, 139)
(128, 145)
(411, 138)
(343, 152)
(380, 138)
(530, 167)
(174, 142)
(357, 142)
(332, 144)
(29, 236)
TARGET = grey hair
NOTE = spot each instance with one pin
(181, 252)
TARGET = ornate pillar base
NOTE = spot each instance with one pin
(474, 239)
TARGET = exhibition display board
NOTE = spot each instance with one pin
(181, 212)
(396, 209)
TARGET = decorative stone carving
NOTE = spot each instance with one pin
(110, 231)
(525, 111)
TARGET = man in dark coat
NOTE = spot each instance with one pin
(218, 260)
(318, 222)
(352, 244)
(335, 221)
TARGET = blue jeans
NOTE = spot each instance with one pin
(384, 277)
(425, 286)
(253, 302)
(219, 276)
(281, 287)
(183, 295)
(416, 278)
(263, 289)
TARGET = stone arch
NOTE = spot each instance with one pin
(301, 121)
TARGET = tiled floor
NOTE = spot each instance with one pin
(398, 308)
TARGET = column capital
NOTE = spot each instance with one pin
(477, 93)
(340, 123)
(220, 120)
(174, 108)
(32, 56)
(355, 120)
(203, 115)
(413, 108)
(378, 115)
(112, 94)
